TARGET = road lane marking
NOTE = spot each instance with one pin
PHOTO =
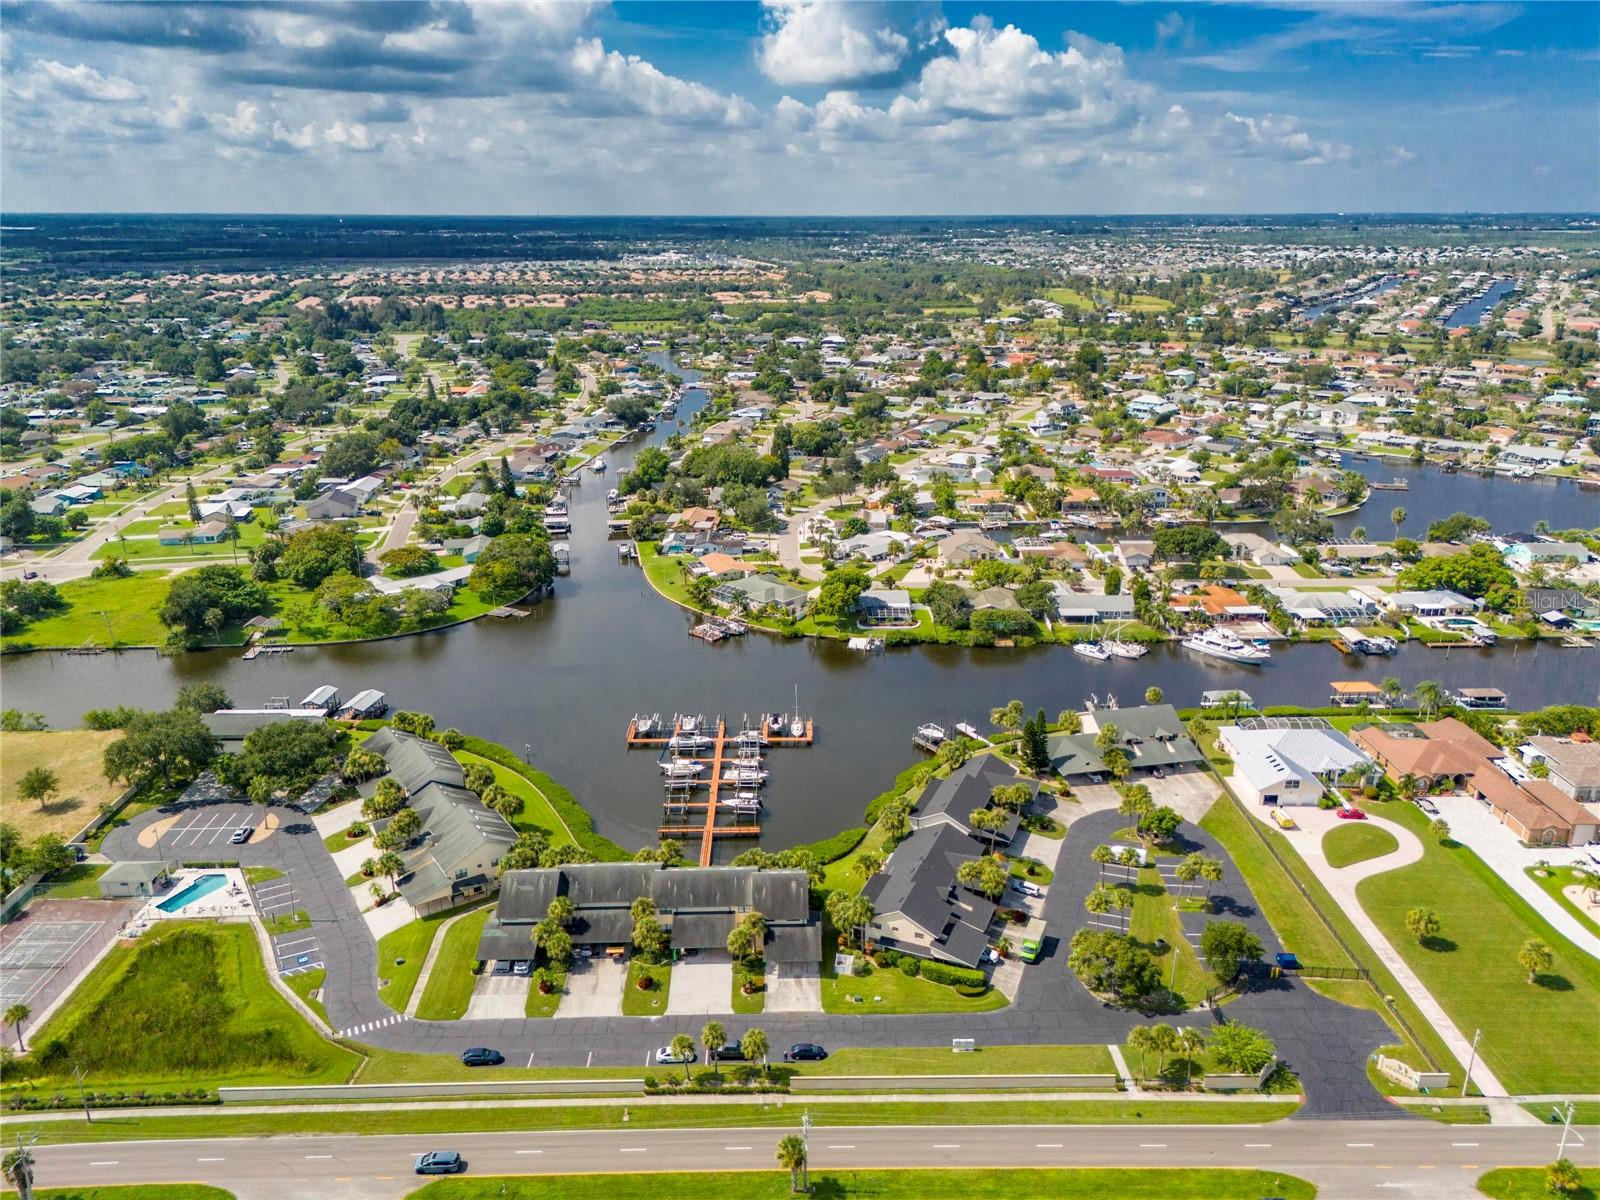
(209, 1160)
(850, 1147)
(319, 1156)
(1258, 1145)
(947, 1145)
(108, 1163)
(738, 1147)
(632, 1150)
(1047, 1145)
(530, 1151)
(1152, 1145)
(1465, 1145)
(1358, 1145)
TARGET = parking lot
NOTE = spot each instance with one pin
(296, 951)
(213, 825)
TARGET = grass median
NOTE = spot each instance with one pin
(450, 983)
(504, 1117)
(955, 1184)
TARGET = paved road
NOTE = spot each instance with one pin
(1326, 1043)
(1347, 1159)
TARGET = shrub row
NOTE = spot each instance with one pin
(940, 972)
(833, 848)
(23, 1101)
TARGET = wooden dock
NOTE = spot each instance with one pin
(722, 748)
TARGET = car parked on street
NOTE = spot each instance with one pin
(732, 1052)
(481, 1056)
(804, 1052)
(667, 1058)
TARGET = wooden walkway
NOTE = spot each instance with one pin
(710, 831)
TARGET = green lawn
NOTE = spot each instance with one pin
(1527, 1183)
(304, 983)
(339, 840)
(401, 954)
(254, 875)
(1585, 1112)
(1033, 869)
(888, 990)
(139, 542)
(107, 612)
(1537, 1037)
(396, 1066)
(305, 623)
(1357, 841)
(756, 1002)
(1155, 924)
(79, 882)
(985, 1060)
(1292, 915)
(1555, 881)
(824, 1113)
(288, 922)
(188, 1004)
(651, 1002)
(842, 874)
(544, 1004)
(1125, 1183)
(450, 982)
(537, 812)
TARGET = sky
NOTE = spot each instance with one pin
(798, 107)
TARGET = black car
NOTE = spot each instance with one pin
(804, 1052)
(441, 1162)
(481, 1056)
(732, 1052)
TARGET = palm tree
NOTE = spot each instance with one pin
(1211, 872)
(14, 1017)
(1103, 856)
(713, 1037)
(792, 1158)
(1429, 696)
(754, 1044)
(1191, 1041)
(1122, 901)
(1535, 957)
(1398, 516)
(1140, 1040)
(561, 909)
(388, 864)
(1164, 1040)
(1099, 901)
(868, 863)
(682, 1047)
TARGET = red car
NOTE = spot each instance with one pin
(1351, 813)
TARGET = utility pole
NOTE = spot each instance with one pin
(82, 1095)
(1566, 1129)
(19, 1165)
(805, 1142)
(1472, 1061)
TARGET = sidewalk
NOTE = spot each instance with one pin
(1341, 884)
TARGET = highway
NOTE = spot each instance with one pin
(1346, 1159)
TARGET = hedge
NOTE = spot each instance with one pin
(574, 814)
(902, 784)
(833, 848)
(942, 972)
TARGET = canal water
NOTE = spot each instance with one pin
(1511, 505)
(1472, 311)
(563, 683)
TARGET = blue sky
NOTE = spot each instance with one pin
(793, 106)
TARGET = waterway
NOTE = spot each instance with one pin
(1510, 505)
(1387, 284)
(563, 682)
(1470, 313)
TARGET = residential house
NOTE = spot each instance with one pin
(761, 591)
(952, 800)
(963, 548)
(699, 907)
(1152, 737)
(884, 606)
(920, 909)
(1573, 763)
(1289, 763)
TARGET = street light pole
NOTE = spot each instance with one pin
(1566, 1128)
(1472, 1061)
(82, 1095)
(805, 1143)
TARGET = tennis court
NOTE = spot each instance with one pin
(41, 948)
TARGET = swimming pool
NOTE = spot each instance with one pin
(197, 890)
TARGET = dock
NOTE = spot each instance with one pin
(700, 815)
(507, 613)
(260, 649)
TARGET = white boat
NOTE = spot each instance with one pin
(612, 494)
(745, 802)
(744, 776)
(752, 761)
(797, 724)
(1126, 649)
(688, 741)
(598, 466)
(562, 553)
(931, 733)
(751, 737)
(688, 724)
(682, 768)
(644, 726)
(1092, 650)
(1219, 643)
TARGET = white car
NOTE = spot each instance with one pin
(666, 1057)
(1027, 888)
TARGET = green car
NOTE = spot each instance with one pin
(1032, 948)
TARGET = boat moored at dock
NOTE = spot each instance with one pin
(1219, 643)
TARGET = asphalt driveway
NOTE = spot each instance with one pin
(701, 984)
(594, 988)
